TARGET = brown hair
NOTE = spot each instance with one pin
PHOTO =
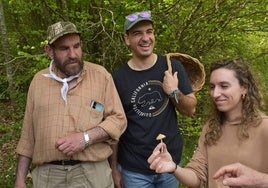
(252, 103)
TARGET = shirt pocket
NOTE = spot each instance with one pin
(90, 118)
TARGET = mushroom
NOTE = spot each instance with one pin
(161, 137)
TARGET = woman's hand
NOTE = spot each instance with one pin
(161, 160)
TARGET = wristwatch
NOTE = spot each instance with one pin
(174, 93)
(86, 138)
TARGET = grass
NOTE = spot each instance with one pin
(9, 131)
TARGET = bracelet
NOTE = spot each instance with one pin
(174, 93)
(86, 139)
(174, 169)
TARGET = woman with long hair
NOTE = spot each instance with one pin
(236, 130)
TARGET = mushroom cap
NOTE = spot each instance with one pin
(160, 137)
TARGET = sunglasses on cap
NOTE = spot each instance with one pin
(136, 15)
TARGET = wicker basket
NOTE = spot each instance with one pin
(193, 67)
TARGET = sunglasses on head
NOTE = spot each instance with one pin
(135, 16)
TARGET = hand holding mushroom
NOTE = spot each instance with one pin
(161, 160)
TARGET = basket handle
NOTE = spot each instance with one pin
(169, 63)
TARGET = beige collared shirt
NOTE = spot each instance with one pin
(48, 117)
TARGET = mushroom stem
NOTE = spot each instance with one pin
(161, 137)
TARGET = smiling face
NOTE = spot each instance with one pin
(67, 54)
(226, 92)
(140, 38)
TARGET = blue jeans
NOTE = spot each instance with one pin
(134, 180)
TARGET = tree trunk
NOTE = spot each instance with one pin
(8, 65)
(65, 10)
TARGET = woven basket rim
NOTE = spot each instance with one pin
(197, 78)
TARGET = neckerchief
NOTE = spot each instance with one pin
(65, 81)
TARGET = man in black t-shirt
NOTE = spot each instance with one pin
(150, 96)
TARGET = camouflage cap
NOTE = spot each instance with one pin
(60, 29)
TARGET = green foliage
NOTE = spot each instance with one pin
(10, 128)
(207, 30)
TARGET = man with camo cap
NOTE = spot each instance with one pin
(73, 115)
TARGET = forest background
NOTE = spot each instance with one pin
(205, 29)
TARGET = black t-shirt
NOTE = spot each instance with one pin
(149, 112)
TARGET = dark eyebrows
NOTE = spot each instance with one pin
(220, 83)
(135, 32)
(78, 43)
(62, 46)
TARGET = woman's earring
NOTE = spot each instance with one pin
(243, 96)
